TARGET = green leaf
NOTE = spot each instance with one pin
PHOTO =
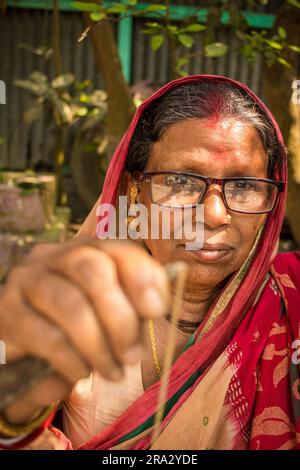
(274, 44)
(63, 81)
(186, 40)
(216, 49)
(172, 29)
(65, 111)
(154, 25)
(86, 6)
(282, 32)
(155, 7)
(194, 28)
(30, 86)
(295, 3)
(38, 77)
(246, 50)
(180, 62)
(132, 2)
(157, 41)
(294, 48)
(117, 8)
(33, 113)
(284, 62)
(84, 98)
(82, 111)
(98, 15)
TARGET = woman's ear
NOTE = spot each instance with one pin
(126, 181)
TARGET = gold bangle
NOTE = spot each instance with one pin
(14, 430)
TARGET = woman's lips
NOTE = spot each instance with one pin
(212, 253)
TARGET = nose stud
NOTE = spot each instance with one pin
(228, 218)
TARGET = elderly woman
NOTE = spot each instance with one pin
(99, 311)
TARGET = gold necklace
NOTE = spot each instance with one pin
(154, 348)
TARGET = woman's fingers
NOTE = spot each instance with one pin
(23, 329)
(143, 279)
(96, 274)
(123, 285)
(62, 302)
(80, 306)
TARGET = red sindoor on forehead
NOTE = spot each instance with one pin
(213, 108)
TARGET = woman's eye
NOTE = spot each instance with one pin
(175, 180)
(245, 186)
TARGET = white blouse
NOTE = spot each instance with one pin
(94, 403)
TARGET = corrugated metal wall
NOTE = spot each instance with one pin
(22, 145)
(153, 65)
(29, 146)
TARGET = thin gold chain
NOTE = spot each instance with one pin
(154, 348)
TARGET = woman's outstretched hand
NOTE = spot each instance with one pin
(80, 306)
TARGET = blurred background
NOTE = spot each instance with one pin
(72, 74)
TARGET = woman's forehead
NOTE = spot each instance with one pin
(227, 144)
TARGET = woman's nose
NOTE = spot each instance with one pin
(215, 211)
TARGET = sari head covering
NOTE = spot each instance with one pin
(235, 386)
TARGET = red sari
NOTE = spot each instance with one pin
(236, 385)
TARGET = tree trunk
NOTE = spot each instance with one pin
(278, 91)
(59, 127)
(120, 102)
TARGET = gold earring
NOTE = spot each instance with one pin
(228, 218)
(134, 191)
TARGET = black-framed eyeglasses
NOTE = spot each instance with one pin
(240, 194)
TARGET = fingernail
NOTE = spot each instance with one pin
(133, 355)
(153, 302)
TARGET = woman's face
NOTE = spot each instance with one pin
(216, 148)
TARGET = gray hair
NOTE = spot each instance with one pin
(201, 100)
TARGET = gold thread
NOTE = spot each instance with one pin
(170, 350)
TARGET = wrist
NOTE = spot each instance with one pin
(9, 429)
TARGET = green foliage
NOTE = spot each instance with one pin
(186, 40)
(118, 8)
(66, 99)
(155, 8)
(294, 3)
(178, 35)
(157, 41)
(294, 48)
(272, 48)
(98, 16)
(194, 28)
(181, 35)
(83, 6)
(216, 49)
